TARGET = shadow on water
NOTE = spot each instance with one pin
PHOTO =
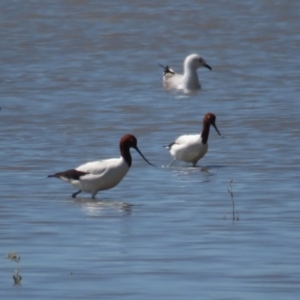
(103, 207)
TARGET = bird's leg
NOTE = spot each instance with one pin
(94, 194)
(171, 163)
(75, 194)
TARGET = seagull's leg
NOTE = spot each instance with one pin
(171, 163)
(94, 194)
(75, 194)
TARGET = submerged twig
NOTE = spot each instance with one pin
(234, 211)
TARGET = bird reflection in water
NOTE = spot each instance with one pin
(103, 207)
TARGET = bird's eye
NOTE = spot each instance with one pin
(201, 60)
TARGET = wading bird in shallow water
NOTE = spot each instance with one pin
(191, 148)
(189, 80)
(96, 176)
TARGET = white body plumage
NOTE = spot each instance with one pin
(101, 175)
(189, 148)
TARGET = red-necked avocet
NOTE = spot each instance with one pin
(191, 148)
(96, 176)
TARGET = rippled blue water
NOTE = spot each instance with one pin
(77, 75)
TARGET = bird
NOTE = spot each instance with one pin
(96, 176)
(189, 80)
(191, 148)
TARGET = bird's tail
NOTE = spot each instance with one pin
(169, 146)
(167, 70)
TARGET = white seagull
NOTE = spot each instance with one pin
(191, 148)
(189, 80)
(96, 176)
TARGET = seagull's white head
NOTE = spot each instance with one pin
(195, 61)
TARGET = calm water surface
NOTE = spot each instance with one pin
(77, 75)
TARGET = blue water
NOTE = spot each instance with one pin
(75, 76)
